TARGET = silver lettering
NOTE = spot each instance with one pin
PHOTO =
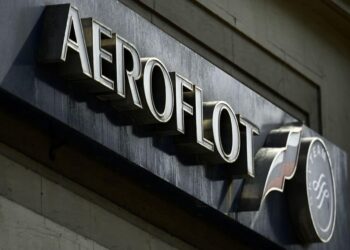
(199, 121)
(132, 75)
(250, 130)
(73, 21)
(150, 65)
(181, 105)
(100, 54)
(219, 108)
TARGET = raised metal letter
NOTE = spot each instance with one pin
(219, 108)
(199, 121)
(181, 105)
(148, 80)
(100, 54)
(132, 74)
(244, 166)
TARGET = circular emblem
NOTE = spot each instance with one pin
(312, 193)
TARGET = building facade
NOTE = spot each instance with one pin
(263, 87)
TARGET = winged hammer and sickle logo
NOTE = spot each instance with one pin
(274, 163)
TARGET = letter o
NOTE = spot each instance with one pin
(224, 113)
(148, 81)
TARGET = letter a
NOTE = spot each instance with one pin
(63, 30)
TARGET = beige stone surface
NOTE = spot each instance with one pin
(36, 212)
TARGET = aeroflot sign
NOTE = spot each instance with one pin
(86, 52)
(111, 68)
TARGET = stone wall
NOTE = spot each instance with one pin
(40, 209)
